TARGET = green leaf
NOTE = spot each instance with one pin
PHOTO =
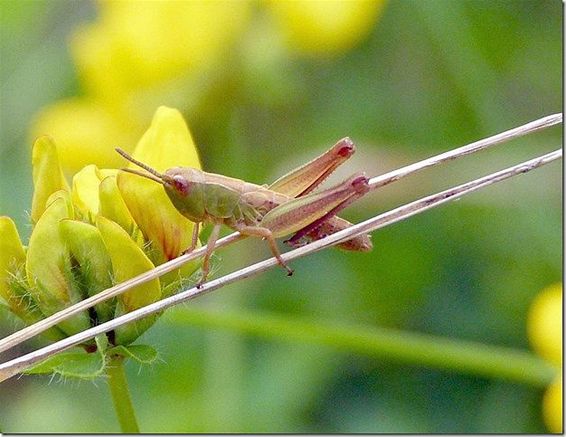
(72, 364)
(141, 353)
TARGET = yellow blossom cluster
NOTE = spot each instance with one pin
(105, 227)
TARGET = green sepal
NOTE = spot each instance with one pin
(141, 353)
(26, 308)
(75, 364)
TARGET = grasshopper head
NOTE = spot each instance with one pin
(174, 180)
(178, 181)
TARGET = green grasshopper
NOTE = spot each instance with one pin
(287, 206)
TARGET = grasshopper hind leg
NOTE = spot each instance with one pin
(258, 231)
(329, 223)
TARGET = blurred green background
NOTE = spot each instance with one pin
(428, 77)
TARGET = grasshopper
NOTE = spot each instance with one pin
(286, 207)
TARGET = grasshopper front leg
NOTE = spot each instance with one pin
(194, 239)
(214, 234)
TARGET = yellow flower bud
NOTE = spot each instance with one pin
(48, 267)
(12, 257)
(128, 260)
(47, 175)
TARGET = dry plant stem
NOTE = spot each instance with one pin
(376, 182)
(19, 364)
(533, 126)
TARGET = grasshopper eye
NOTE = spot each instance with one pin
(181, 184)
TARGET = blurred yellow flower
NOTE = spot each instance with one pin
(545, 323)
(552, 406)
(101, 231)
(544, 327)
(135, 57)
(325, 27)
(86, 132)
(139, 55)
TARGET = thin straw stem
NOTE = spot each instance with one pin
(468, 149)
(16, 365)
(41, 326)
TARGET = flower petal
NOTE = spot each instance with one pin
(94, 267)
(166, 144)
(47, 254)
(128, 260)
(113, 207)
(47, 175)
(85, 192)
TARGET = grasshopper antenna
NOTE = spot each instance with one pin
(158, 177)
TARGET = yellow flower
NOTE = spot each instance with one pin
(544, 327)
(105, 229)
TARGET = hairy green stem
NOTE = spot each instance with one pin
(405, 347)
(121, 395)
